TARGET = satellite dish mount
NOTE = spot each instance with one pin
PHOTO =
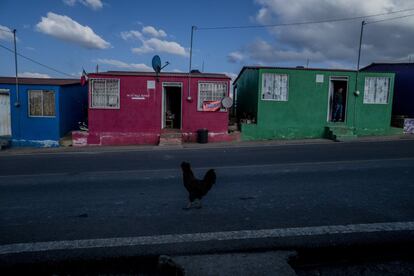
(156, 65)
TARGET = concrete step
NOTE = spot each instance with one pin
(345, 138)
(168, 135)
(339, 133)
(171, 138)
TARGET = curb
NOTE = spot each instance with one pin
(195, 146)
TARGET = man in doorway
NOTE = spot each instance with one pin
(338, 105)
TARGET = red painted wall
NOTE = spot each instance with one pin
(139, 121)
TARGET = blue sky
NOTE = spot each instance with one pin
(124, 35)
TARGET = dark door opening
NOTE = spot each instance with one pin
(337, 99)
(172, 115)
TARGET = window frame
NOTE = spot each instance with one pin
(376, 79)
(42, 105)
(222, 109)
(287, 87)
(91, 94)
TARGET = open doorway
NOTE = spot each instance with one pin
(338, 91)
(171, 118)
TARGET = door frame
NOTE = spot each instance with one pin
(330, 94)
(6, 92)
(163, 107)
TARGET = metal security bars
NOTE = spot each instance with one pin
(376, 90)
(274, 87)
(105, 93)
(210, 91)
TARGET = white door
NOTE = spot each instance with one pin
(5, 122)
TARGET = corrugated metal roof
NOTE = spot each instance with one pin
(291, 68)
(390, 64)
(162, 74)
(39, 81)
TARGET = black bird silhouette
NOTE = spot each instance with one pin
(197, 188)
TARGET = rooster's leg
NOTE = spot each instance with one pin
(198, 206)
(188, 207)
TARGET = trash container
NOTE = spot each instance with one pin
(202, 136)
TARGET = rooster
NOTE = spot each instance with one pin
(197, 188)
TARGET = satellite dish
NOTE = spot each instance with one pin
(156, 64)
(227, 102)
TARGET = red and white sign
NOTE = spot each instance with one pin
(211, 105)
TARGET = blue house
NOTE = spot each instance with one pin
(403, 102)
(41, 111)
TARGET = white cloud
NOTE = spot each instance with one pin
(34, 75)
(70, 2)
(158, 45)
(6, 33)
(124, 65)
(262, 51)
(151, 31)
(332, 43)
(235, 57)
(93, 4)
(65, 28)
(131, 35)
(152, 41)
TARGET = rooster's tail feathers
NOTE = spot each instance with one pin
(210, 176)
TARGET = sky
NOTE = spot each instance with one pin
(72, 35)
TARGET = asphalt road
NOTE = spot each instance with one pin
(91, 195)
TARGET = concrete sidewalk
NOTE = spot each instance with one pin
(233, 144)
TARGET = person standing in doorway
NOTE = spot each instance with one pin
(338, 105)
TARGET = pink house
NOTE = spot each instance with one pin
(141, 107)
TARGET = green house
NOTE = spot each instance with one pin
(297, 103)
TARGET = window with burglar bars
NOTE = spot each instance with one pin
(105, 93)
(41, 103)
(274, 87)
(376, 90)
(210, 91)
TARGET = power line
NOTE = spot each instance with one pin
(302, 23)
(34, 61)
(388, 19)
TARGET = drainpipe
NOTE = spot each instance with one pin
(193, 28)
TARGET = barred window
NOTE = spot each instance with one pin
(210, 92)
(41, 103)
(105, 93)
(274, 87)
(376, 90)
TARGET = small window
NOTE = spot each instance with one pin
(209, 94)
(105, 93)
(376, 90)
(41, 103)
(274, 87)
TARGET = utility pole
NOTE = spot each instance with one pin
(360, 43)
(356, 92)
(191, 46)
(17, 103)
(193, 28)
